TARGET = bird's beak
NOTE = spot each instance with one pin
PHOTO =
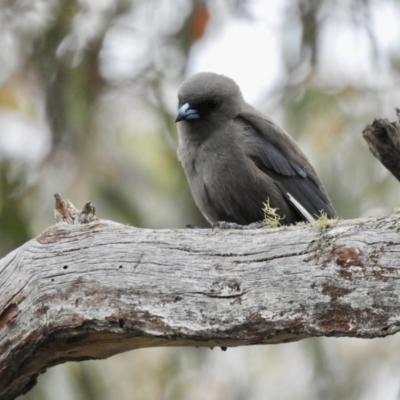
(185, 112)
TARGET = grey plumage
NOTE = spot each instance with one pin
(235, 158)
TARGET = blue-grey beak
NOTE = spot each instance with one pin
(185, 112)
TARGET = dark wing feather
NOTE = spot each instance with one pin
(295, 178)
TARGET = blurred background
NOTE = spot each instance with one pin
(87, 108)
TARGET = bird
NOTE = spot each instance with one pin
(236, 159)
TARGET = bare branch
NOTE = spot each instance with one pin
(383, 138)
(90, 291)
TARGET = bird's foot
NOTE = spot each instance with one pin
(234, 225)
(191, 226)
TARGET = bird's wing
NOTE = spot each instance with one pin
(276, 154)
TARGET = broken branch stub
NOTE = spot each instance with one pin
(383, 138)
(65, 211)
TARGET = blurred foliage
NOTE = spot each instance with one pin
(87, 103)
(13, 226)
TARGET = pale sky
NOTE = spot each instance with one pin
(247, 51)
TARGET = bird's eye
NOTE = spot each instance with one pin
(211, 104)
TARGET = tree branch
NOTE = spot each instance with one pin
(80, 292)
(383, 138)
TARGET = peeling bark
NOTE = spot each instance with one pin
(80, 292)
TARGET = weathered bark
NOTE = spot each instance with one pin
(383, 138)
(91, 291)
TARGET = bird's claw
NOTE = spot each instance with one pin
(191, 226)
(233, 225)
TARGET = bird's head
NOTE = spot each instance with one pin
(208, 97)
